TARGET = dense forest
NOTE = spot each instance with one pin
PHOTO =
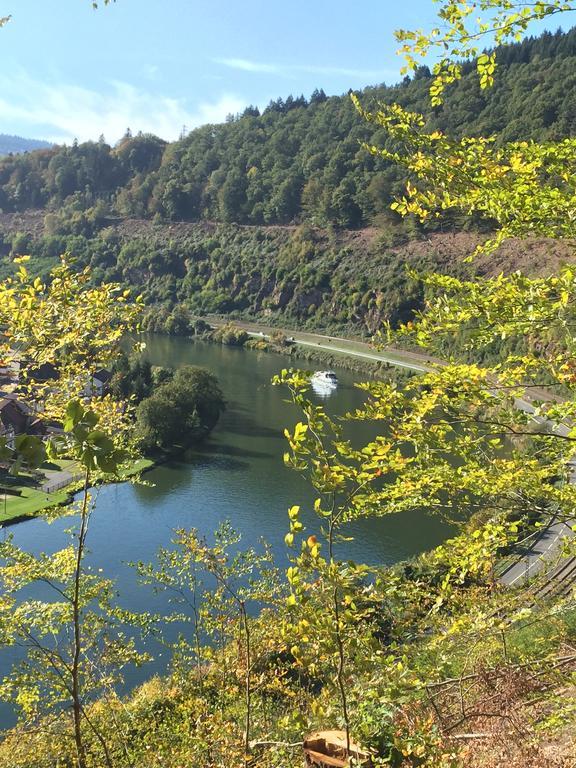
(280, 215)
(301, 158)
(301, 275)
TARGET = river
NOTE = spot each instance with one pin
(238, 475)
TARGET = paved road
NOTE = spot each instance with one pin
(56, 479)
(546, 545)
(392, 358)
(534, 558)
(411, 360)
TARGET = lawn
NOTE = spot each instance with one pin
(25, 497)
(28, 502)
(135, 468)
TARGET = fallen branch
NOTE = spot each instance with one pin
(495, 673)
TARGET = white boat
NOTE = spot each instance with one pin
(325, 379)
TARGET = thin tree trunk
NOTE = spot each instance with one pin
(339, 641)
(197, 635)
(75, 671)
(100, 738)
(248, 682)
(248, 677)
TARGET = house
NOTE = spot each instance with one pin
(9, 374)
(43, 373)
(48, 374)
(17, 418)
(99, 383)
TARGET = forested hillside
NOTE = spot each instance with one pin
(281, 215)
(301, 159)
(16, 144)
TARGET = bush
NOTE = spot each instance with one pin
(230, 335)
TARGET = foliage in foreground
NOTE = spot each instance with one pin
(402, 659)
(71, 644)
(349, 646)
(406, 632)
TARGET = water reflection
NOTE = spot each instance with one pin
(238, 475)
(324, 384)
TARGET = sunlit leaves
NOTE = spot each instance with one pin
(94, 447)
(441, 449)
(41, 684)
(465, 26)
(506, 307)
(74, 328)
(220, 585)
(74, 637)
(525, 188)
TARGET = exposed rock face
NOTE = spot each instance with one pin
(346, 280)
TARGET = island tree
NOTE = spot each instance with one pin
(181, 411)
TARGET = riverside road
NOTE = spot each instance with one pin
(547, 544)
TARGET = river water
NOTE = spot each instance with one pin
(238, 475)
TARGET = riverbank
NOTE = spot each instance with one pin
(347, 352)
(311, 356)
(338, 347)
(25, 500)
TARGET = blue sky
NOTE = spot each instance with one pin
(68, 71)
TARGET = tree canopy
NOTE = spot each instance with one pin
(301, 159)
(180, 411)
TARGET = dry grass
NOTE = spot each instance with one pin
(513, 716)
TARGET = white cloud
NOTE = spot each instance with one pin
(290, 70)
(63, 112)
(248, 66)
(152, 71)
